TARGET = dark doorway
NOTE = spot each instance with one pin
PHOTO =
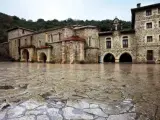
(109, 58)
(43, 57)
(25, 55)
(149, 54)
(126, 58)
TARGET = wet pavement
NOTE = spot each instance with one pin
(69, 92)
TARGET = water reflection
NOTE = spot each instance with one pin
(97, 82)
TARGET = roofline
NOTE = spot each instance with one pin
(146, 7)
(17, 27)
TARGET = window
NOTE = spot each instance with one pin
(31, 39)
(149, 25)
(149, 39)
(159, 37)
(23, 32)
(158, 10)
(25, 41)
(89, 41)
(125, 42)
(108, 43)
(39, 43)
(159, 23)
(148, 12)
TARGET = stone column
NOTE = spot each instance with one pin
(72, 53)
(116, 60)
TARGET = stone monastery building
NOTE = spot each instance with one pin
(85, 44)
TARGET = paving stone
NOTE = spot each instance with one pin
(71, 113)
(80, 104)
(129, 116)
(31, 104)
(15, 112)
(24, 118)
(96, 111)
(42, 117)
(54, 114)
(2, 114)
(93, 106)
(35, 112)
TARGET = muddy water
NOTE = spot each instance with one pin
(104, 83)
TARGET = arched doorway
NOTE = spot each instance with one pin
(25, 54)
(109, 58)
(125, 58)
(43, 57)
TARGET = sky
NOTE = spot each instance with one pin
(75, 9)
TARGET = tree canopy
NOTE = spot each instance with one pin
(7, 22)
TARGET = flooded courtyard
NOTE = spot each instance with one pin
(90, 91)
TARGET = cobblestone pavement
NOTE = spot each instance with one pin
(70, 92)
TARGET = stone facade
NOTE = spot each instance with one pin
(79, 44)
(62, 45)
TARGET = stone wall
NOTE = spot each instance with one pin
(142, 32)
(116, 45)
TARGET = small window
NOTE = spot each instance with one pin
(159, 23)
(125, 42)
(159, 37)
(23, 32)
(108, 43)
(149, 39)
(31, 39)
(158, 10)
(39, 43)
(148, 12)
(89, 41)
(25, 41)
(149, 25)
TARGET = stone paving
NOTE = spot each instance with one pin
(54, 109)
(70, 92)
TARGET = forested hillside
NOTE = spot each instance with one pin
(7, 22)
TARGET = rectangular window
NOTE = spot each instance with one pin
(149, 25)
(108, 44)
(125, 43)
(149, 39)
(25, 42)
(23, 32)
(31, 39)
(149, 54)
(159, 37)
(159, 10)
(148, 12)
(159, 23)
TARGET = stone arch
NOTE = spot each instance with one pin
(125, 58)
(109, 57)
(25, 55)
(43, 57)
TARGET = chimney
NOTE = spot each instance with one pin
(138, 5)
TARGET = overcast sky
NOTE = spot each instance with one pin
(76, 9)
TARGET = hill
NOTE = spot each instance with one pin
(7, 22)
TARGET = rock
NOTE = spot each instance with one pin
(93, 106)
(6, 87)
(96, 111)
(35, 112)
(30, 104)
(4, 106)
(16, 112)
(71, 113)
(54, 114)
(42, 117)
(79, 105)
(24, 118)
(129, 116)
(100, 118)
(2, 115)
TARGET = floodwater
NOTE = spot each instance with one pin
(104, 83)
